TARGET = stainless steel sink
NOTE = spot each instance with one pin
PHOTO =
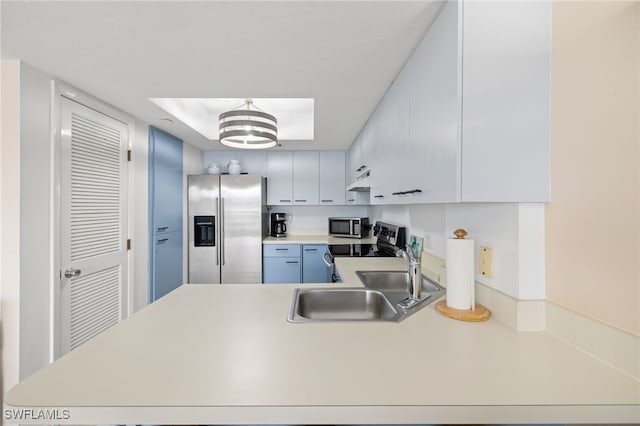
(383, 298)
(395, 284)
(340, 304)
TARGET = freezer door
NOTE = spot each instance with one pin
(243, 201)
(204, 229)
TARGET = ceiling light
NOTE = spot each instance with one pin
(248, 128)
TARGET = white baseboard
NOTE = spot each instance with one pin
(608, 344)
(519, 315)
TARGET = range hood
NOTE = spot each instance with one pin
(362, 183)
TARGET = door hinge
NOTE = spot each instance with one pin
(129, 155)
(129, 244)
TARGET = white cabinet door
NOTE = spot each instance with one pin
(306, 177)
(355, 159)
(279, 178)
(332, 178)
(378, 155)
(433, 155)
(505, 145)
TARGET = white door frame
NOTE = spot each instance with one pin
(59, 90)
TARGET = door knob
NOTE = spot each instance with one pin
(72, 273)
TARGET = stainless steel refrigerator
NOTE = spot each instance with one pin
(227, 223)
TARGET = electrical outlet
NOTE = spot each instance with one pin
(485, 262)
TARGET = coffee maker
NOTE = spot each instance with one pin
(278, 225)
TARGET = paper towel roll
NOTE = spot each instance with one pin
(460, 274)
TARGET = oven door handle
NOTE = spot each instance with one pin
(327, 259)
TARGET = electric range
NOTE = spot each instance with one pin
(389, 238)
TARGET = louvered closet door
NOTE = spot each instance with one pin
(93, 229)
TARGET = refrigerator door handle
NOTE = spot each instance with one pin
(222, 229)
(218, 232)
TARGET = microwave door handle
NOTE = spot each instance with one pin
(352, 226)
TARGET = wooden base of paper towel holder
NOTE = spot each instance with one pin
(480, 313)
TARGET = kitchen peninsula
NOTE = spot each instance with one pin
(225, 354)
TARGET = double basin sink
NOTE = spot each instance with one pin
(378, 300)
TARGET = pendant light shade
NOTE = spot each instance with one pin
(248, 128)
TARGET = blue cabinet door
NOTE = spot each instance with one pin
(314, 270)
(165, 181)
(281, 270)
(167, 273)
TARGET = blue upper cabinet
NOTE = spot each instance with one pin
(165, 213)
(165, 172)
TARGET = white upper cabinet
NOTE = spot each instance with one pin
(332, 178)
(279, 178)
(467, 119)
(505, 98)
(433, 149)
(306, 177)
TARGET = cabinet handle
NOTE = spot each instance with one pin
(378, 196)
(162, 228)
(327, 201)
(351, 199)
(310, 249)
(292, 261)
(301, 201)
(282, 249)
(361, 168)
(163, 240)
(413, 191)
(285, 201)
(399, 193)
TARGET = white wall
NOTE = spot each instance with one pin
(514, 232)
(36, 200)
(593, 221)
(139, 229)
(9, 222)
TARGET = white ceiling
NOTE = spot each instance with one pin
(344, 54)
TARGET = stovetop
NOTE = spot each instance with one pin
(359, 250)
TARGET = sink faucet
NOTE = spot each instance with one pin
(415, 276)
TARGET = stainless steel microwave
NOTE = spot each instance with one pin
(351, 227)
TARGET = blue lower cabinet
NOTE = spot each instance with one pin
(167, 271)
(294, 263)
(281, 263)
(281, 270)
(314, 270)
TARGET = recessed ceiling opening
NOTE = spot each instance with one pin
(295, 115)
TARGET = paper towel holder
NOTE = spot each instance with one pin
(477, 314)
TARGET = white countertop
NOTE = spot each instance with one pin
(225, 354)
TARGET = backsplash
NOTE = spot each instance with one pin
(313, 219)
(515, 231)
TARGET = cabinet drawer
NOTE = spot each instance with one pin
(281, 250)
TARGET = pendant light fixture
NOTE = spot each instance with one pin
(248, 128)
